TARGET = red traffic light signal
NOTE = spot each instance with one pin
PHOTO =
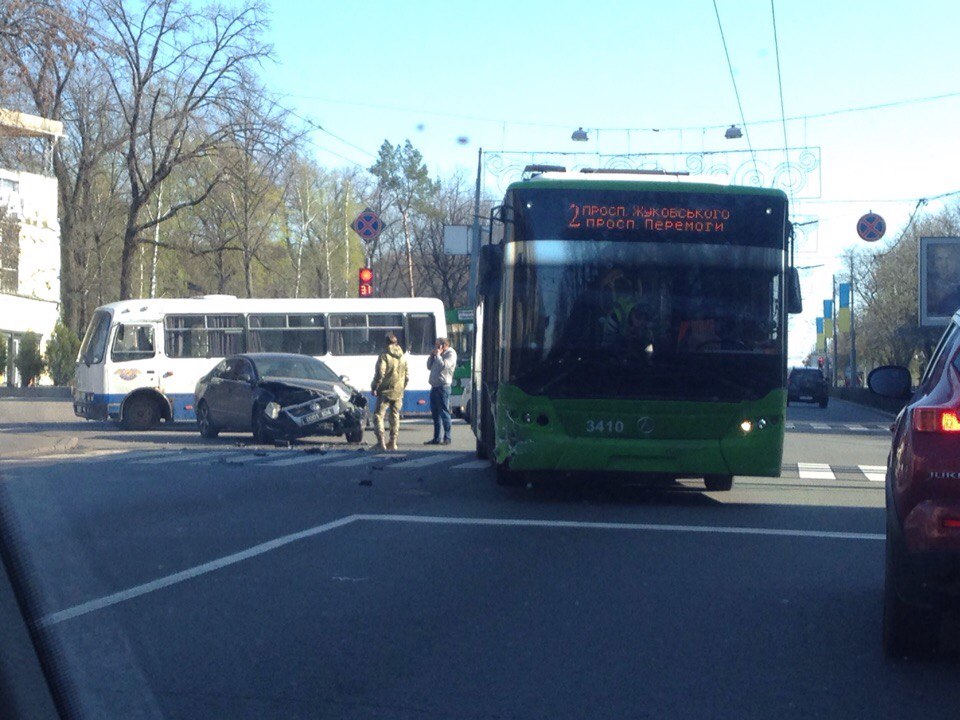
(820, 361)
(365, 276)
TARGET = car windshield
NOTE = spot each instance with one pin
(295, 367)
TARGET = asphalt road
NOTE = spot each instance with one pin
(180, 578)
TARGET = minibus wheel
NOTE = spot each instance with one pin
(140, 413)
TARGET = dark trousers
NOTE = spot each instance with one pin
(440, 412)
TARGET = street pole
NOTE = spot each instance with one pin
(836, 330)
(854, 377)
(475, 240)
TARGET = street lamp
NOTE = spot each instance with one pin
(579, 135)
(733, 132)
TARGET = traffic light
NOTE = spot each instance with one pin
(366, 282)
(820, 362)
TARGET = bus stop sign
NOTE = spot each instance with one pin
(367, 225)
(871, 227)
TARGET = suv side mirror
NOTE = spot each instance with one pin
(890, 381)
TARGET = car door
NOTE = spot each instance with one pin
(213, 394)
(240, 387)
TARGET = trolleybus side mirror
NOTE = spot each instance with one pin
(794, 299)
(491, 267)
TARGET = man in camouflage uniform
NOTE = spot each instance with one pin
(388, 385)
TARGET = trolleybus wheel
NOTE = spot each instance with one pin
(507, 477)
(718, 483)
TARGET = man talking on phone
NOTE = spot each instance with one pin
(441, 363)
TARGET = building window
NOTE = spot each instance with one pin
(9, 252)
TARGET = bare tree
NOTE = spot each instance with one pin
(42, 43)
(175, 73)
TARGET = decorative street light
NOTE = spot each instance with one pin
(733, 132)
(580, 135)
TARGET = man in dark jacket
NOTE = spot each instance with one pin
(389, 382)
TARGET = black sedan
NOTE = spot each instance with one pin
(278, 396)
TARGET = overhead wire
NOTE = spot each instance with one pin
(783, 114)
(736, 92)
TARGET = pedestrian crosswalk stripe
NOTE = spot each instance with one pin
(301, 459)
(364, 459)
(874, 473)
(472, 465)
(857, 428)
(819, 426)
(427, 460)
(815, 471)
(190, 456)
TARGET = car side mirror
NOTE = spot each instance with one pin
(345, 379)
(892, 381)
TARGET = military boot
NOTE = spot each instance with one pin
(392, 445)
(381, 440)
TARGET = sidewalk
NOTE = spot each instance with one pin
(37, 426)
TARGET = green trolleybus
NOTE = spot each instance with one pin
(634, 323)
(460, 334)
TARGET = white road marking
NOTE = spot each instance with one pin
(168, 580)
(815, 471)
(819, 426)
(189, 456)
(857, 428)
(874, 473)
(302, 459)
(473, 465)
(364, 459)
(424, 461)
(256, 550)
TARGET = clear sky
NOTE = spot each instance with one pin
(454, 77)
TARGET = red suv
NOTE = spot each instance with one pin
(923, 500)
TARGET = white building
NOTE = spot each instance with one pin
(29, 244)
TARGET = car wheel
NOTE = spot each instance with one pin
(718, 483)
(355, 436)
(908, 630)
(207, 429)
(481, 451)
(261, 433)
(140, 413)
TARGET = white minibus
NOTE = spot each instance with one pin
(140, 359)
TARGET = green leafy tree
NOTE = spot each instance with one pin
(29, 362)
(3, 355)
(62, 354)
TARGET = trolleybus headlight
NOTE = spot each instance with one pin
(746, 426)
(527, 418)
(761, 423)
(272, 410)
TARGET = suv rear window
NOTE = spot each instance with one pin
(806, 373)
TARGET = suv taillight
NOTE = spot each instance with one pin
(938, 420)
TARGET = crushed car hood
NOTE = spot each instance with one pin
(321, 386)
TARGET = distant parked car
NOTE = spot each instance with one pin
(923, 500)
(278, 395)
(807, 384)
